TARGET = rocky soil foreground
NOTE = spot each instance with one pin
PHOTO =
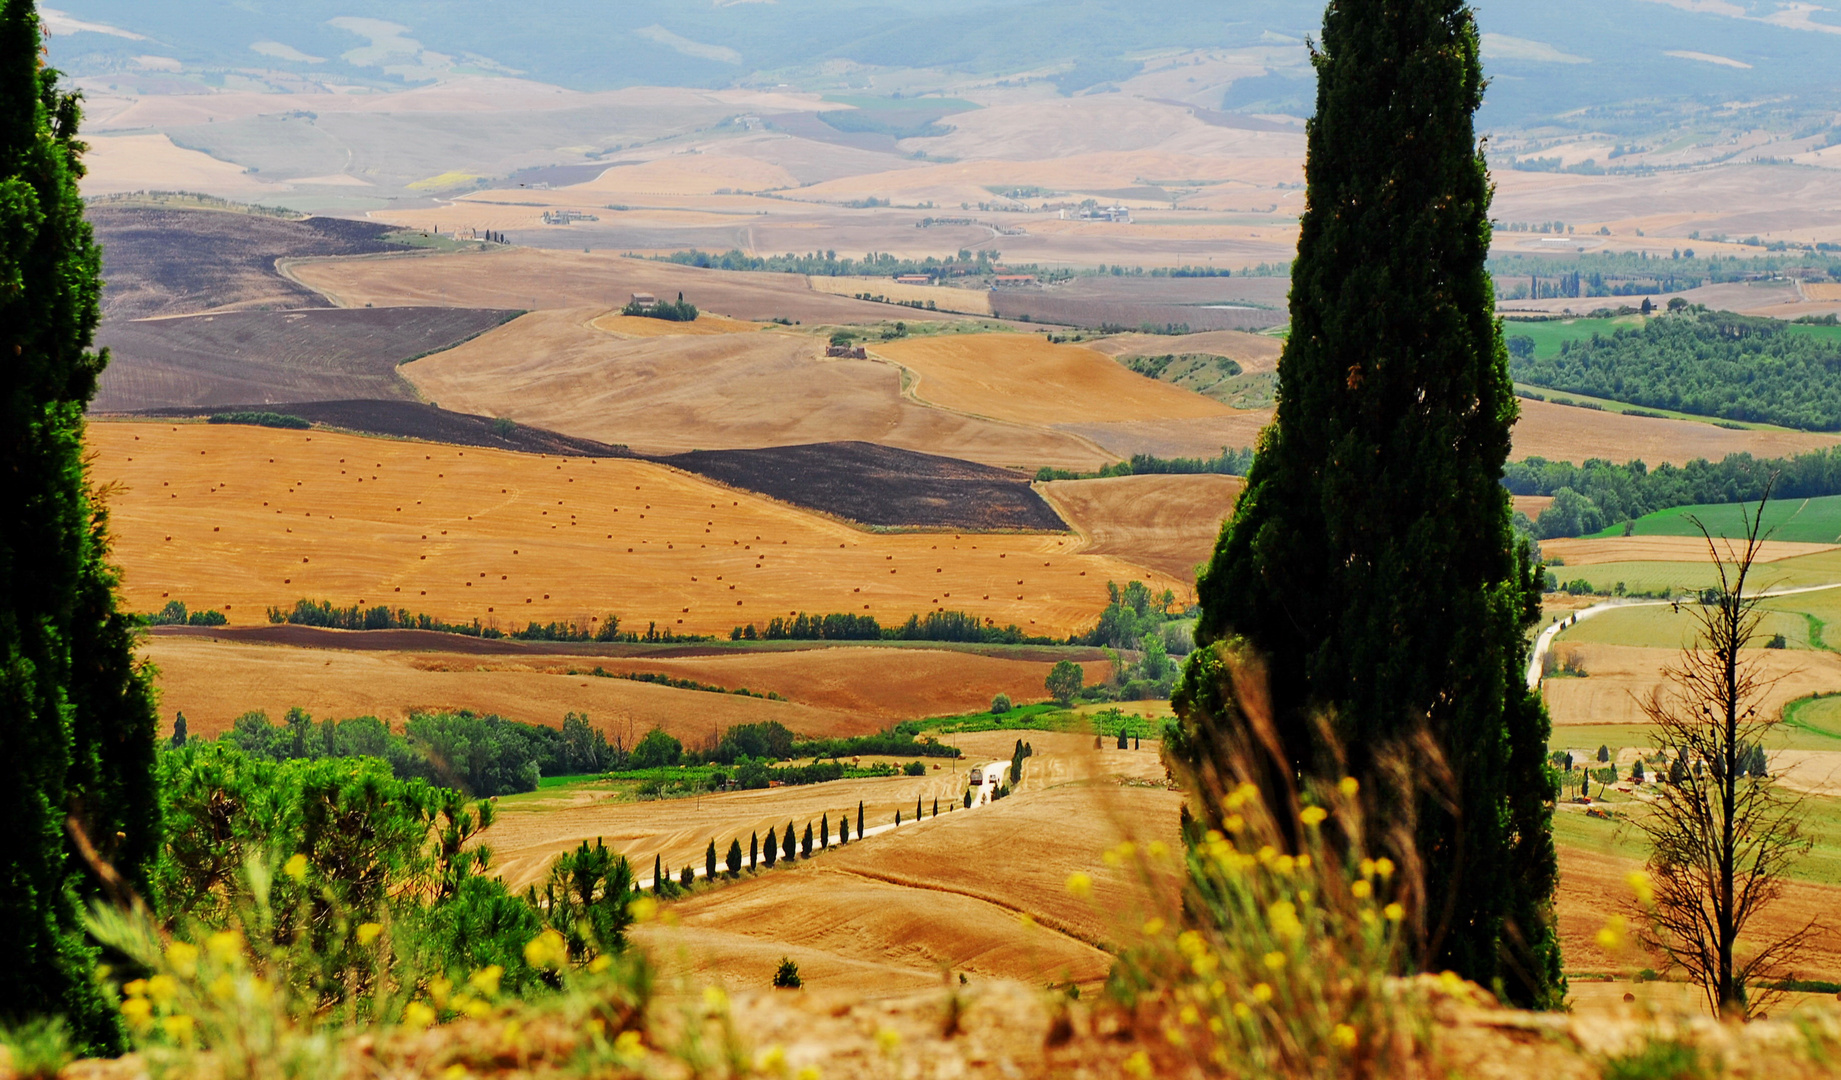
(1009, 1030)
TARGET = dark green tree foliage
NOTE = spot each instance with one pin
(733, 862)
(687, 878)
(754, 851)
(936, 807)
(76, 710)
(658, 875)
(843, 828)
(1370, 560)
(585, 900)
(805, 843)
(1710, 363)
(1064, 681)
(709, 862)
(789, 844)
(859, 819)
(178, 731)
(824, 831)
(772, 850)
(917, 808)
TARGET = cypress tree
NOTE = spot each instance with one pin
(843, 828)
(1369, 562)
(898, 819)
(805, 846)
(178, 731)
(824, 831)
(658, 875)
(734, 861)
(687, 878)
(754, 851)
(76, 707)
(859, 819)
(709, 862)
(936, 807)
(789, 845)
(917, 808)
(773, 848)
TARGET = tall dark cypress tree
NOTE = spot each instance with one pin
(76, 710)
(1370, 562)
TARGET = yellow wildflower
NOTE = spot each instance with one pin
(888, 1040)
(1158, 849)
(1349, 786)
(417, 1015)
(138, 1011)
(225, 947)
(1640, 884)
(1153, 926)
(1283, 918)
(137, 988)
(178, 1028)
(773, 1061)
(456, 1071)
(546, 950)
(1343, 1036)
(368, 932)
(1234, 823)
(476, 1008)
(1361, 890)
(486, 979)
(296, 866)
(1274, 960)
(715, 999)
(1394, 912)
(600, 963)
(1188, 1016)
(438, 990)
(162, 989)
(1139, 1065)
(223, 988)
(628, 1044)
(1611, 936)
(1262, 993)
(1384, 867)
(182, 958)
(1242, 1011)
(643, 909)
(810, 1072)
(1313, 816)
(1080, 884)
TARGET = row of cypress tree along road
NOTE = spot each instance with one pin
(1369, 568)
(785, 846)
(77, 713)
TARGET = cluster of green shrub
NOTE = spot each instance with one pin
(827, 263)
(305, 858)
(1596, 495)
(482, 755)
(1154, 366)
(1680, 270)
(959, 626)
(1710, 363)
(323, 613)
(658, 679)
(670, 311)
(260, 419)
(1231, 462)
(175, 614)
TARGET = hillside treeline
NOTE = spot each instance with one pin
(960, 626)
(1598, 494)
(827, 263)
(1710, 363)
(1230, 462)
(1626, 273)
(323, 613)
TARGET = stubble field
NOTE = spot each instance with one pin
(1169, 523)
(242, 518)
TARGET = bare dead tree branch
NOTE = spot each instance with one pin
(1722, 834)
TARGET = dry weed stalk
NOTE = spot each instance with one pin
(1722, 834)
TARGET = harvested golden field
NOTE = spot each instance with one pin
(944, 298)
(153, 162)
(1256, 353)
(213, 677)
(1566, 433)
(1169, 523)
(1024, 379)
(1531, 505)
(554, 369)
(639, 326)
(902, 907)
(688, 174)
(531, 279)
(1585, 551)
(1621, 676)
(241, 518)
(214, 681)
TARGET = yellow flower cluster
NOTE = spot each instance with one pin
(158, 1003)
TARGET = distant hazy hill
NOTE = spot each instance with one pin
(1544, 59)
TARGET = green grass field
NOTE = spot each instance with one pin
(1663, 627)
(1819, 568)
(1620, 837)
(1549, 335)
(1811, 521)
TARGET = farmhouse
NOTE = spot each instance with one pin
(846, 352)
(1013, 281)
(566, 217)
(913, 279)
(644, 299)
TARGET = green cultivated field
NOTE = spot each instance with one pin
(1812, 521)
(1551, 334)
